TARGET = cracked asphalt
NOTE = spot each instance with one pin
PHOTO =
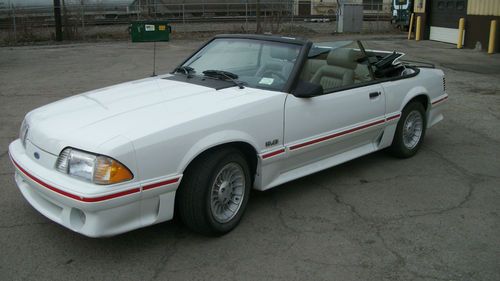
(432, 217)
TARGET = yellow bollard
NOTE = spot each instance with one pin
(493, 31)
(411, 26)
(419, 29)
(461, 26)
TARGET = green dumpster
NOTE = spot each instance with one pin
(150, 31)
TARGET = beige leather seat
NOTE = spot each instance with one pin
(311, 66)
(281, 62)
(361, 73)
(338, 71)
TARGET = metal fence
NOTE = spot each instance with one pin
(86, 21)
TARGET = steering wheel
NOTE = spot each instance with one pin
(272, 73)
(368, 59)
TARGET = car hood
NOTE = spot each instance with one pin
(131, 110)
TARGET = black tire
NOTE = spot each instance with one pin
(398, 147)
(194, 205)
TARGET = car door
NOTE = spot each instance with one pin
(344, 122)
(349, 121)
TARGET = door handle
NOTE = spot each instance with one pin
(374, 94)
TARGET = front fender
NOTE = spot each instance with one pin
(213, 140)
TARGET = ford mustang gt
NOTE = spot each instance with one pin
(242, 112)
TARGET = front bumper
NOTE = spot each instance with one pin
(91, 210)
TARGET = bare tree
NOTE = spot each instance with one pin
(272, 23)
(257, 17)
(70, 29)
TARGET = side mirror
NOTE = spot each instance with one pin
(306, 89)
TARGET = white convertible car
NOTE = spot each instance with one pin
(244, 111)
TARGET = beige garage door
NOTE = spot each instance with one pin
(444, 34)
(444, 17)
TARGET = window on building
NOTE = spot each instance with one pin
(371, 5)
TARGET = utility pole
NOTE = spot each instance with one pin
(57, 19)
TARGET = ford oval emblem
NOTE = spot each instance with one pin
(37, 156)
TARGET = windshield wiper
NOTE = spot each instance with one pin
(226, 75)
(185, 69)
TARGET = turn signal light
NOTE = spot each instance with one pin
(109, 171)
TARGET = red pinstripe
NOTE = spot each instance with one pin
(393, 117)
(440, 100)
(93, 199)
(158, 184)
(311, 142)
(274, 153)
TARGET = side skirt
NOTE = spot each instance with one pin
(274, 167)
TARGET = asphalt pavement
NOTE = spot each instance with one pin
(431, 217)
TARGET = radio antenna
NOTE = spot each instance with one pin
(150, 31)
(154, 59)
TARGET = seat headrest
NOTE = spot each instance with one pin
(284, 53)
(342, 57)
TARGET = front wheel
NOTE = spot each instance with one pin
(410, 131)
(214, 192)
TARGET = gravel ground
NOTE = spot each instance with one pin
(432, 217)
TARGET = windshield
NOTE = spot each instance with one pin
(326, 47)
(400, 2)
(254, 63)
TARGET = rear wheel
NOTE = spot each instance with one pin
(214, 192)
(410, 131)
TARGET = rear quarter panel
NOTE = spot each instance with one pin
(428, 82)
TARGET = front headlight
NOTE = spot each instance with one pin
(23, 132)
(91, 167)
